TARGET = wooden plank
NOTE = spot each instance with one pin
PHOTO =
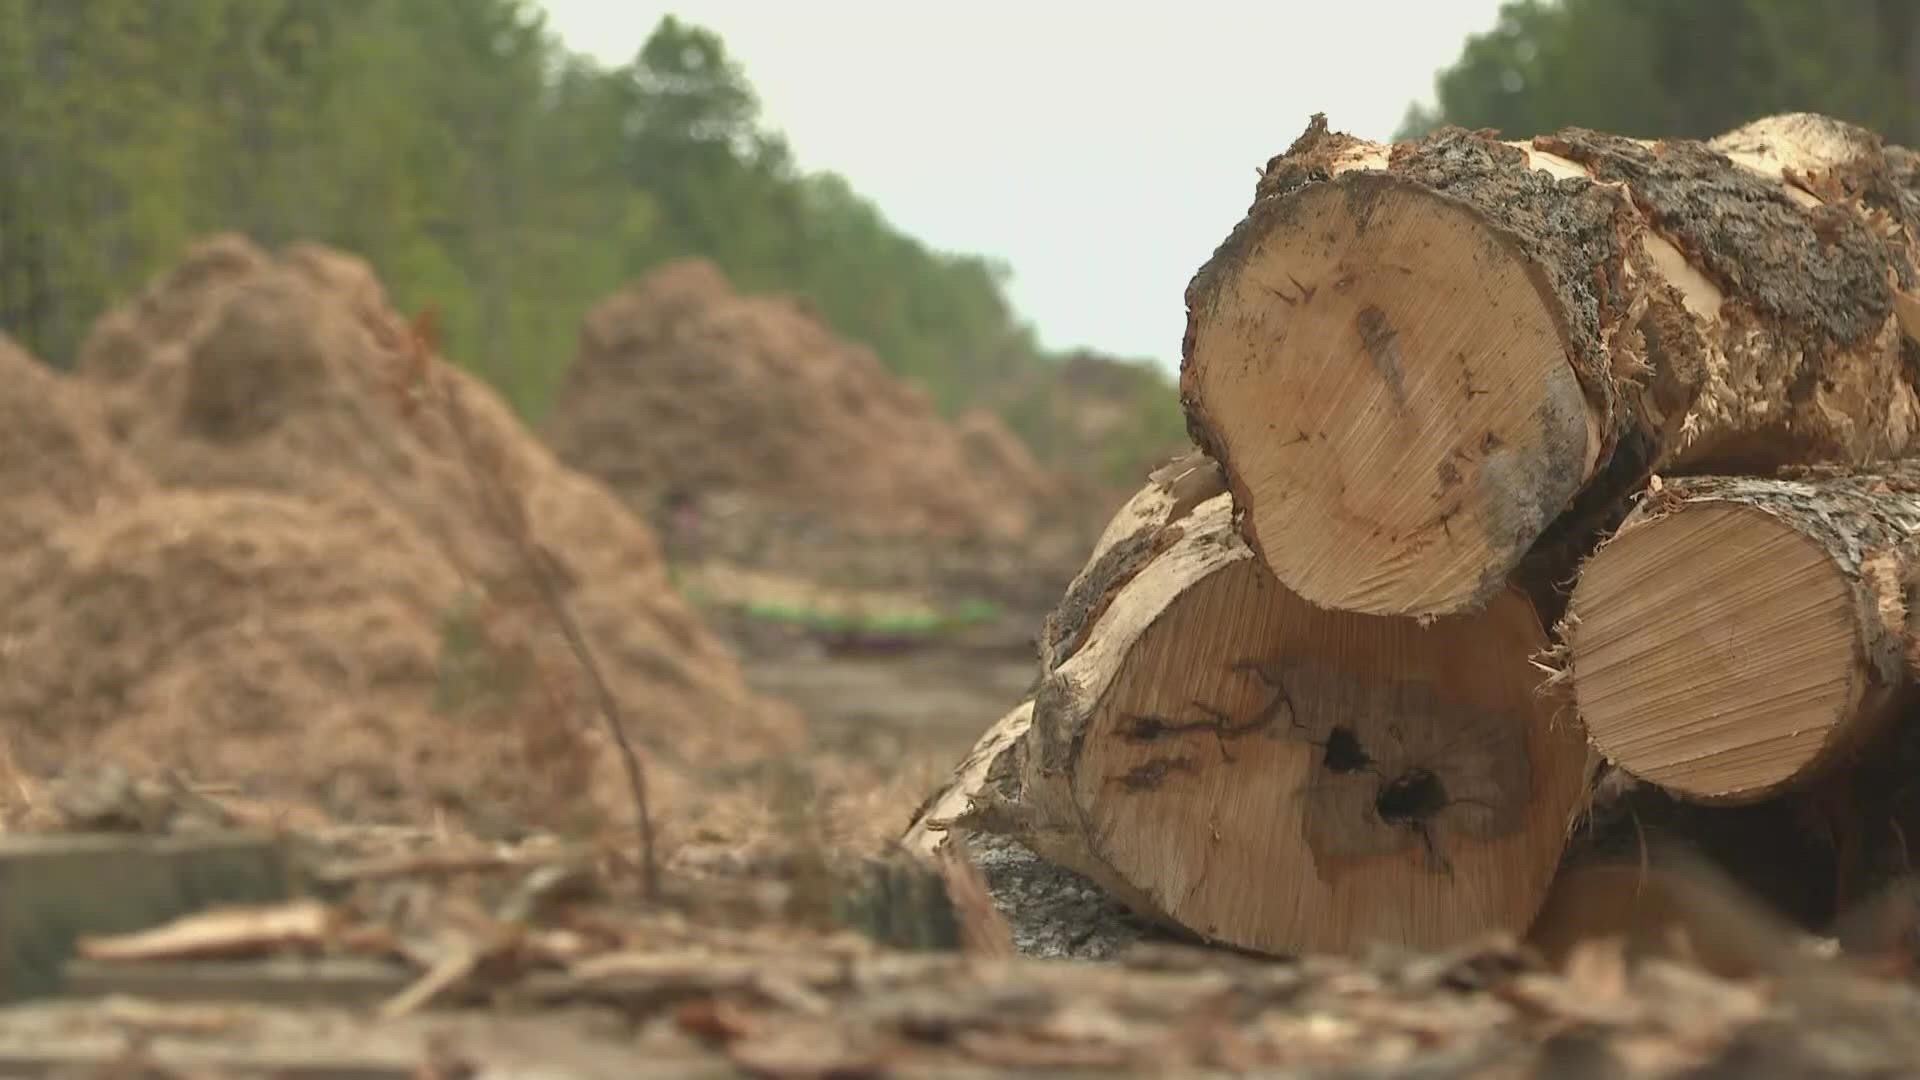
(55, 888)
(275, 981)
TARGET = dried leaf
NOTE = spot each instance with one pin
(445, 1061)
(791, 994)
(453, 968)
(1593, 990)
(808, 1052)
(556, 947)
(1023, 1052)
(714, 1020)
(1597, 969)
(703, 968)
(1906, 307)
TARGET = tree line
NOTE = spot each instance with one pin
(1683, 68)
(462, 149)
(488, 171)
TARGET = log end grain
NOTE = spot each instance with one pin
(1279, 777)
(1717, 652)
(1382, 374)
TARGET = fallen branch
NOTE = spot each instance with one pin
(508, 517)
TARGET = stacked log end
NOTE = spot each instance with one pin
(1514, 458)
(1413, 785)
(1741, 636)
(1414, 361)
(1234, 761)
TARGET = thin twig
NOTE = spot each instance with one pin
(494, 503)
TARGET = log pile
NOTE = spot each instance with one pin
(1554, 508)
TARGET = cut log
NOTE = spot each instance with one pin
(1414, 361)
(927, 834)
(1228, 759)
(1738, 637)
(1139, 530)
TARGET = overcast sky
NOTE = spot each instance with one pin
(1101, 149)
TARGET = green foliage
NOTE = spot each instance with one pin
(1696, 69)
(905, 622)
(728, 189)
(453, 143)
(849, 615)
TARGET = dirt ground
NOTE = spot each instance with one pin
(916, 707)
(424, 960)
(892, 705)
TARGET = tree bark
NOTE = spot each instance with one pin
(926, 835)
(1415, 363)
(1139, 530)
(1228, 759)
(1740, 637)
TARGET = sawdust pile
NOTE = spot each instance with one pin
(244, 560)
(1103, 422)
(55, 458)
(684, 387)
(995, 453)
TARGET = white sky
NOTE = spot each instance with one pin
(1102, 150)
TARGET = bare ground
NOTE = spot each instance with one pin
(915, 704)
(439, 948)
(426, 962)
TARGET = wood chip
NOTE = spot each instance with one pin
(231, 931)
(453, 968)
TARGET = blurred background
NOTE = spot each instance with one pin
(865, 315)
(967, 193)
